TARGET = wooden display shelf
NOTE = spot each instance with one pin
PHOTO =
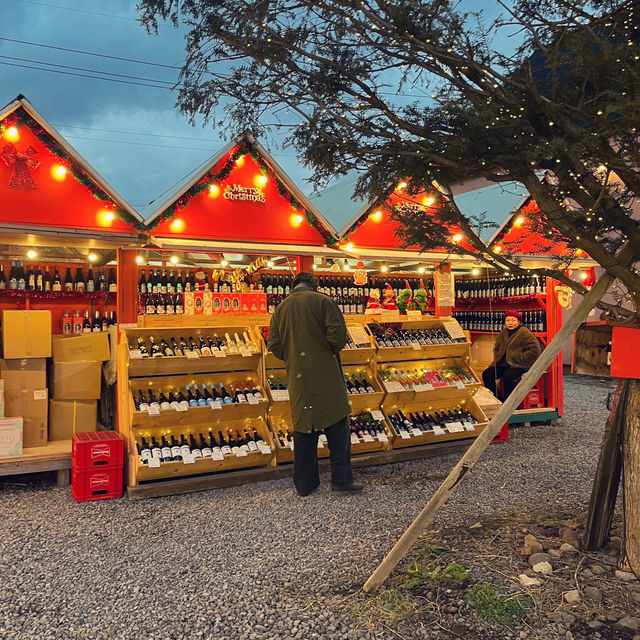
(139, 472)
(187, 321)
(429, 437)
(360, 402)
(54, 456)
(285, 454)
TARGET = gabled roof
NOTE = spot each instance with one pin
(81, 193)
(275, 212)
(339, 206)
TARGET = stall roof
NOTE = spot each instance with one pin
(40, 168)
(240, 195)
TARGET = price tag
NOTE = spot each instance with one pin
(416, 347)
(355, 439)
(182, 408)
(469, 426)
(265, 449)
(154, 463)
(322, 438)
(135, 354)
(367, 439)
(216, 405)
(459, 384)
(390, 315)
(416, 432)
(393, 386)
(40, 394)
(191, 355)
(244, 352)
(382, 437)
(404, 435)
(438, 431)
(320, 445)
(217, 456)
(453, 329)
(290, 445)
(423, 387)
(280, 395)
(358, 335)
(377, 415)
(188, 459)
(219, 354)
(454, 427)
(251, 399)
(154, 411)
(414, 314)
(241, 453)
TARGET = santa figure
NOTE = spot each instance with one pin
(389, 300)
(373, 303)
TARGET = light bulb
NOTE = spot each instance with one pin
(376, 216)
(32, 254)
(519, 221)
(92, 257)
(262, 180)
(296, 220)
(384, 268)
(224, 263)
(58, 172)
(177, 224)
(174, 259)
(11, 133)
(475, 271)
(270, 264)
(213, 189)
(458, 237)
(139, 259)
(421, 269)
(347, 266)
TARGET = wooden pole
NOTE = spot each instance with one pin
(473, 453)
(605, 485)
(631, 477)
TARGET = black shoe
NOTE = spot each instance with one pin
(350, 488)
(304, 494)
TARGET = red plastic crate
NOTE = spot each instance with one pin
(97, 449)
(96, 484)
(503, 434)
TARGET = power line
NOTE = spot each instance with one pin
(137, 144)
(108, 73)
(94, 13)
(89, 53)
(135, 133)
(84, 75)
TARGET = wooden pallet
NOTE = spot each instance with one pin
(246, 476)
(54, 456)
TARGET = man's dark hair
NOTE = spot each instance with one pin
(307, 278)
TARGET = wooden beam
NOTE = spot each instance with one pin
(468, 461)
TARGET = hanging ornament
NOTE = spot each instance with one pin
(360, 275)
(564, 296)
(21, 178)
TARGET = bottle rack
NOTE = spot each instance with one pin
(173, 372)
(422, 398)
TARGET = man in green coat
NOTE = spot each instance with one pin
(308, 332)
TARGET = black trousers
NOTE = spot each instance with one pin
(509, 375)
(305, 466)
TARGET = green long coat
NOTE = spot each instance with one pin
(308, 331)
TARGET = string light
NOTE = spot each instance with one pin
(239, 161)
(261, 180)
(376, 216)
(214, 190)
(106, 217)
(58, 172)
(296, 220)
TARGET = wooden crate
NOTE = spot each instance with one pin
(416, 352)
(359, 355)
(428, 407)
(360, 402)
(285, 454)
(182, 364)
(139, 472)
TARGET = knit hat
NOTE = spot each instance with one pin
(513, 314)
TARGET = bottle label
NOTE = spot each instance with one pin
(218, 454)
(91, 286)
(145, 454)
(252, 445)
(164, 406)
(176, 452)
(206, 452)
(113, 288)
(166, 453)
(226, 450)
(144, 406)
(185, 450)
(57, 286)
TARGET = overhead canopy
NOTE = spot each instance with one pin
(239, 196)
(47, 187)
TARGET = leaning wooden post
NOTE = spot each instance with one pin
(473, 453)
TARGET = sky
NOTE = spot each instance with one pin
(132, 134)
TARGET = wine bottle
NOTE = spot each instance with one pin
(216, 449)
(142, 282)
(257, 438)
(224, 394)
(257, 394)
(159, 302)
(182, 401)
(78, 283)
(166, 349)
(97, 323)
(142, 348)
(68, 280)
(206, 394)
(213, 347)
(205, 447)
(156, 451)
(145, 451)
(90, 284)
(183, 346)
(13, 277)
(102, 283)
(39, 277)
(164, 402)
(176, 452)
(169, 306)
(250, 344)
(173, 401)
(202, 402)
(204, 347)
(22, 280)
(193, 346)
(142, 403)
(215, 394)
(166, 450)
(232, 443)
(240, 398)
(232, 348)
(177, 351)
(196, 451)
(241, 442)
(112, 284)
(30, 278)
(153, 403)
(86, 323)
(224, 445)
(156, 352)
(185, 449)
(163, 281)
(193, 401)
(250, 442)
(3, 278)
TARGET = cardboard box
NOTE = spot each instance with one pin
(26, 334)
(1, 398)
(216, 300)
(76, 380)
(67, 417)
(24, 373)
(90, 346)
(32, 405)
(10, 437)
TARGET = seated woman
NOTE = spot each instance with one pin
(515, 350)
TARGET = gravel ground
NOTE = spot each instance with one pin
(257, 562)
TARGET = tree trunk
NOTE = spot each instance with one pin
(607, 480)
(631, 479)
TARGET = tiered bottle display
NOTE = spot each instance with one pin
(200, 394)
(387, 336)
(194, 445)
(439, 422)
(77, 324)
(416, 379)
(365, 428)
(501, 287)
(535, 321)
(187, 345)
(47, 278)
